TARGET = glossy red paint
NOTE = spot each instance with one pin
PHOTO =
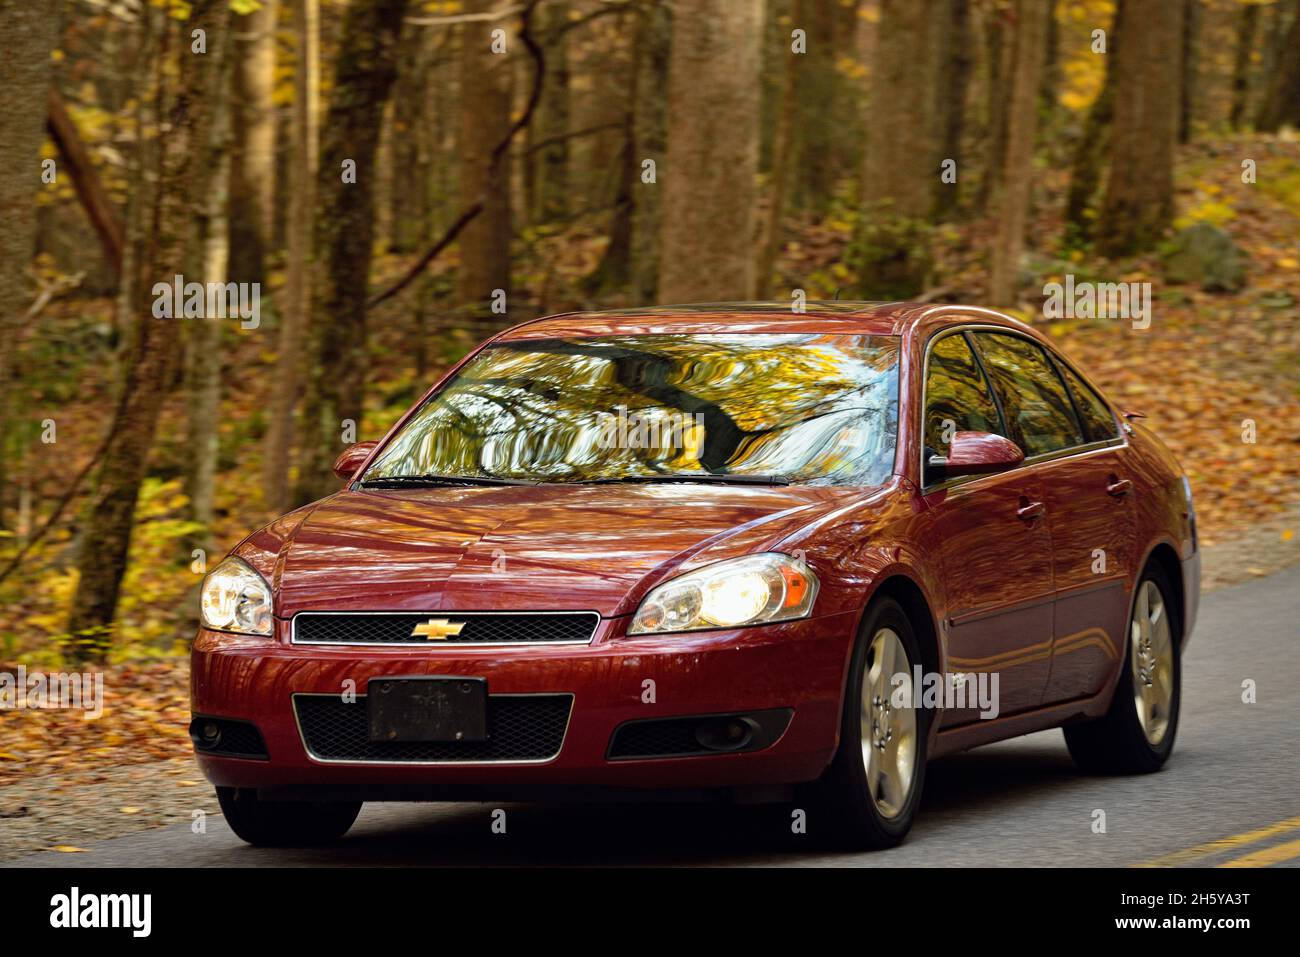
(1001, 567)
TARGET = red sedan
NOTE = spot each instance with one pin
(707, 548)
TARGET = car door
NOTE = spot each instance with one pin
(993, 544)
(1090, 511)
(1072, 442)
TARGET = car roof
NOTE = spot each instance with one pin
(835, 317)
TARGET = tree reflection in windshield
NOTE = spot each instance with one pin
(802, 408)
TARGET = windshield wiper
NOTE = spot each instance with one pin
(725, 478)
(429, 481)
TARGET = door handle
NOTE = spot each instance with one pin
(1028, 511)
(1118, 487)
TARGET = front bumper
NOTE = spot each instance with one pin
(793, 665)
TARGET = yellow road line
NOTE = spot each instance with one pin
(1223, 844)
(1268, 856)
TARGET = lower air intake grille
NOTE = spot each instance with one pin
(656, 739)
(520, 728)
(703, 734)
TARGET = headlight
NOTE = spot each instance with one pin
(752, 590)
(236, 598)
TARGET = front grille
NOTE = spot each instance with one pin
(520, 728)
(477, 628)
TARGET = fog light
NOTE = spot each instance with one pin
(725, 734)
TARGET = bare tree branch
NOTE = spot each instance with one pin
(576, 134)
(465, 17)
(90, 191)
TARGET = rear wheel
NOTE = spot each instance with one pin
(1136, 736)
(874, 784)
(285, 823)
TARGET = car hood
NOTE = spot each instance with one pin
(588, 547)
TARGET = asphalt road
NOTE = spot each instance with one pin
(1235, 775)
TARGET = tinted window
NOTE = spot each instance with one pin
(805, 408)
(1098, 423)
(1037, 409)
(957, 398)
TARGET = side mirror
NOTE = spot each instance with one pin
(978, 453)
(350, 459)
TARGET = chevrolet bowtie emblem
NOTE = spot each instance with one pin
(436, 629)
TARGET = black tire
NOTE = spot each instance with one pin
(1116, 743)
(285, 823)
(858, 824)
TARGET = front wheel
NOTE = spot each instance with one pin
(874, 784)
(1136, 736)
(285, 823)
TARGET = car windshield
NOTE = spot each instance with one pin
(783, 408)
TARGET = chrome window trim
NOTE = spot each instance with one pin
(442, 643)
(1088, 448)
(312, 756)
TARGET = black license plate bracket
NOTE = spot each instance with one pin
(427, 709)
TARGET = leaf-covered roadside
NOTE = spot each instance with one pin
(145, 718)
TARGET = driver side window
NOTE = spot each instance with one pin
(957, 396)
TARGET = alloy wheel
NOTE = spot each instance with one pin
(888, 733)
(1152, 660)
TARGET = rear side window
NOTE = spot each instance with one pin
(1039, 415)
(957, 397)
(1097, 421)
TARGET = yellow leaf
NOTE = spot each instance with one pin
(68, 849)
(129, 810)
(1287, 535)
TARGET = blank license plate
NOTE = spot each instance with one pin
(427, 709)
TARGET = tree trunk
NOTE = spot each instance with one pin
(149, 364)
(408, 152)
(997, 46)
(27, 35)
(297, 289)
(1093, 145)
(485, 101)
(708, 179)
(1190, 84)
(1139, 196)
(1247, 21)
(891, 250)
(385, 214)
(900, 154)
(206, 260)
(1022, 116)
(819, 94)
(548, 168)
(252, 161)
(650, 142)
(783, 159)
(615, 267)
(1282, 104)
(950, 102)
(1280, 15)
(1050, 80)
(364, 70)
